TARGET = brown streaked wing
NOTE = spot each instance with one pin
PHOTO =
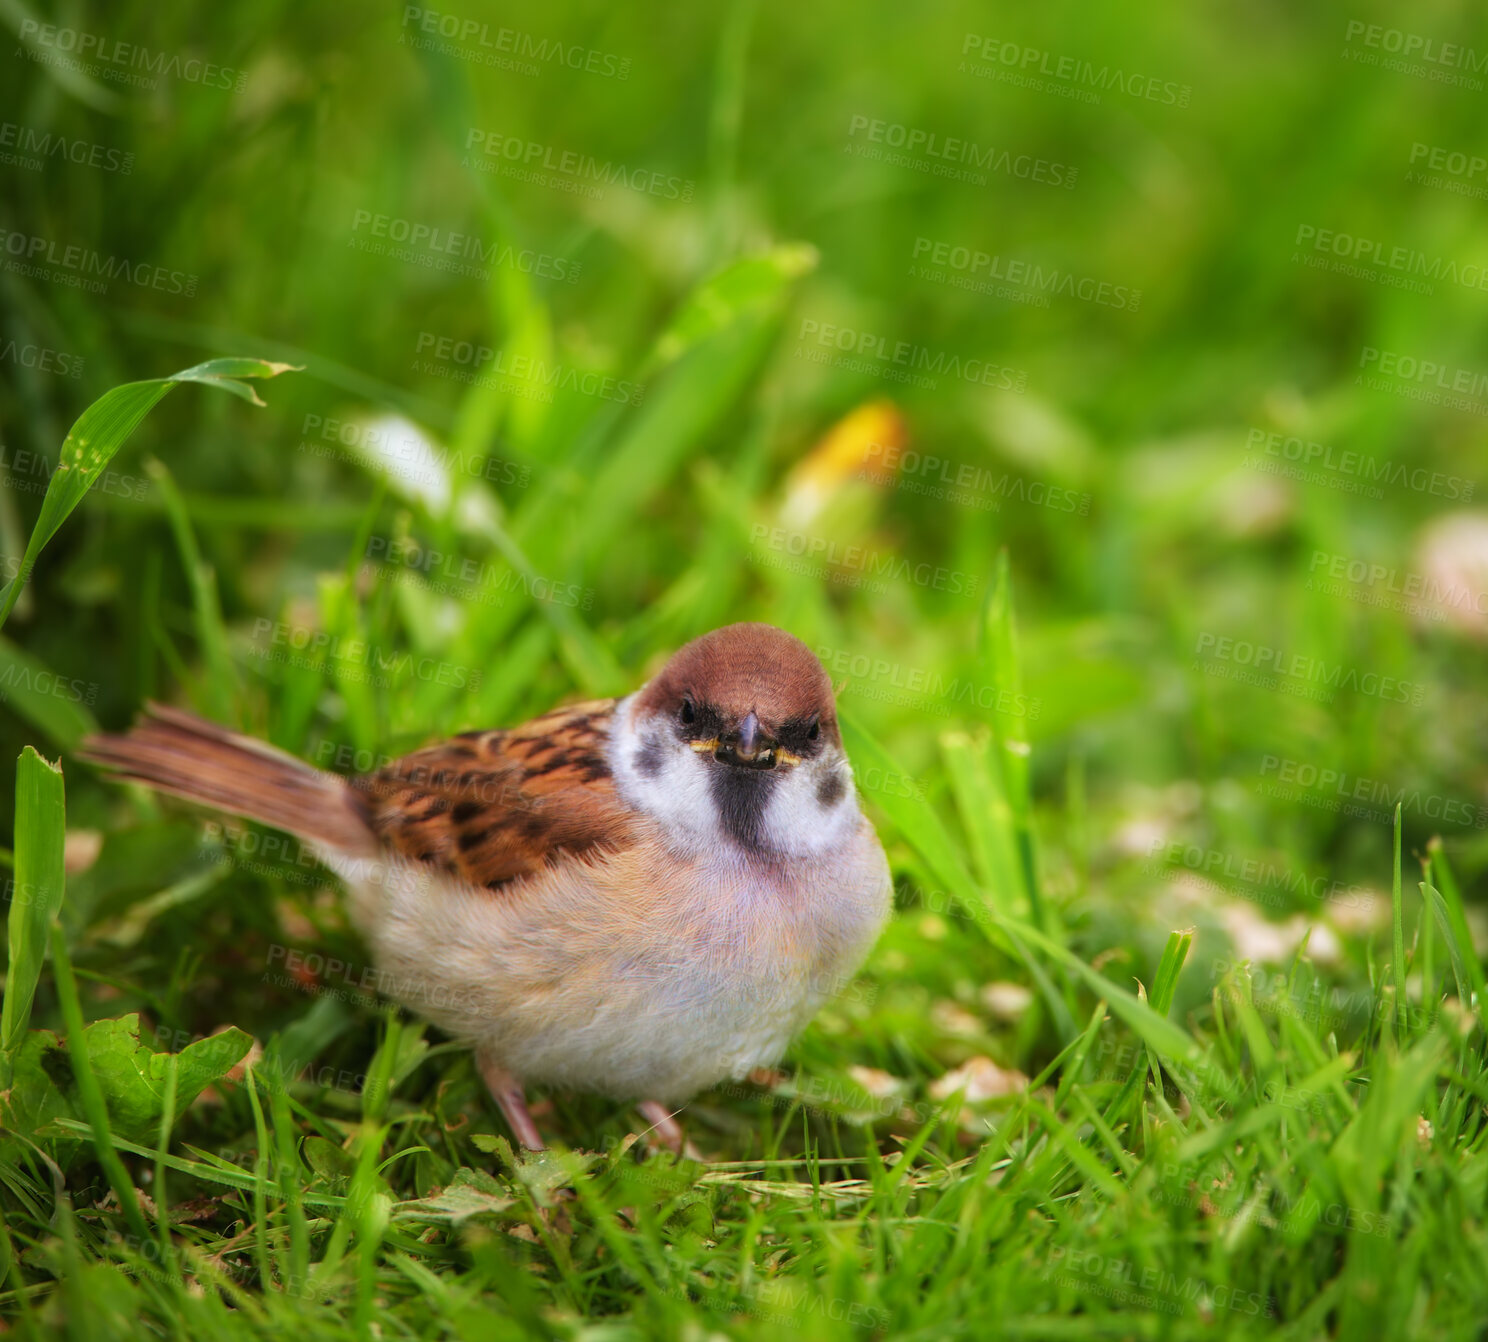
(493, 806)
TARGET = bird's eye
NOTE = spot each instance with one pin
(689, 713)
(815, 729)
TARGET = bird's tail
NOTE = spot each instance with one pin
(190, 757)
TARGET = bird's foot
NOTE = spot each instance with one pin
(507, 1091)
(665, 1130)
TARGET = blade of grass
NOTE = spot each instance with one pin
(752, 285)
(261, 1255)
(101, 430)
(10, 1270)
(1462, 958)
(1446, 884)
(40, 833)
(90, 1094)
(724, 119)
(162, 1202)
(1398, 970)
(589, 660)
(289, 1176)
(986, 817)
(1175, 953)
(1000, 654)
(1426, 941)
(229, 1175)
(221, 680)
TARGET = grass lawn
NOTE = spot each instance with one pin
(1100, 395)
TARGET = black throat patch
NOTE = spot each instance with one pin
(741, 796)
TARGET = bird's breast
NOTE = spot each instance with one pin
(639, 973)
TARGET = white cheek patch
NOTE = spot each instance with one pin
(814, 808)
(659, 774)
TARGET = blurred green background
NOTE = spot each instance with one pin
(632, 418)
(1162, 329)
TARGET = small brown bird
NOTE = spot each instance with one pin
(638, 897)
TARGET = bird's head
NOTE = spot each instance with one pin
(736, 739)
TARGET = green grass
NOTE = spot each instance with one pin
(1156, 909)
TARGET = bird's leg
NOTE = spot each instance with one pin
(666, 1129)
(506, 1090)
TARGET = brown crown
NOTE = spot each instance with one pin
(742, 668)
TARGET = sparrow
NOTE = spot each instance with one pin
(637, 897)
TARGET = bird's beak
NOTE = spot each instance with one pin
(749, 746)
